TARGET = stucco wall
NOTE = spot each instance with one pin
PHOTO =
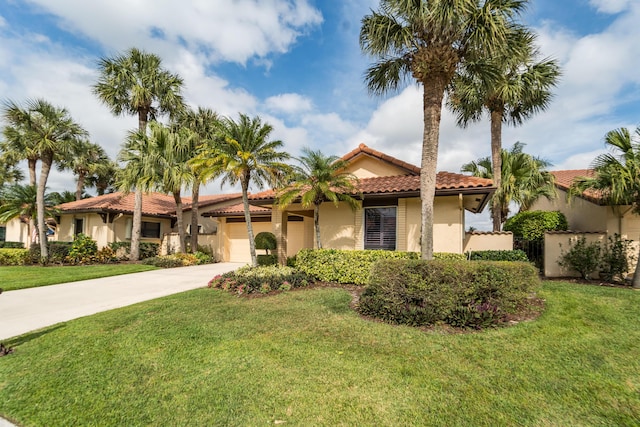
(337, 226)
(368, 167)
(581, 214)
(478, 241)
(556, 243)
(17, 231)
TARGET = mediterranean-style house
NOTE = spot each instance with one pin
(388, 216)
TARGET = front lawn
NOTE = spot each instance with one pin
(207, 357)
(22, 277)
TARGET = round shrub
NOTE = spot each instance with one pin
(267, 241)
(531, 225)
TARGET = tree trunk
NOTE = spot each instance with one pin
(33, 182)
(136, 227)
(80, 185)
(180, 222)
(47, 161)
(316, 224)
(195, 216)
(247, 218)
(496, 162)
(433, 92)
(635, 283)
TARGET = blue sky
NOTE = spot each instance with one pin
(297, 64)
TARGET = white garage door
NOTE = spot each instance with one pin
(239, 242)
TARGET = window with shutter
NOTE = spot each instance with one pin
(380, 228)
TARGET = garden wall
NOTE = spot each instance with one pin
(488, 241)
(555, 242)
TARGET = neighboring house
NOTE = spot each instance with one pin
(389, 217)
(588, 212)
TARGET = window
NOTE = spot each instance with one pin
(79, 226)
(380, 228)
(199, 229)
(3, 234)
(150, 229)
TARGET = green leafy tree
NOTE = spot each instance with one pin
(136, 84)
(203, 123)
(524, 180)
(430, 41)
(616, 176)
(245, 155)
(51, 133)
(510, 87)
(317, 179)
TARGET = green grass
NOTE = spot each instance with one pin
(12, 278)
(208, 358)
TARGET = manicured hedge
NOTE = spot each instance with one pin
(58, 252)
(466, 294)
(12, 245)
(9, 256)
(263, 279)
(514, 255)
(531, 225)
(147, 249)
(350, 267)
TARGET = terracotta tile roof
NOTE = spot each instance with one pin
(209, 200)
(237, 210)
(564, 179)
(445, 181)
(153, 204)
(363, 149)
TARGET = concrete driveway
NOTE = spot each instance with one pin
(26, 310)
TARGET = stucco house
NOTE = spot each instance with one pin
(388, 216)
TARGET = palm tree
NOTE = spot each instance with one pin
(16, 145)
(524, 180)
(203, 124)
(50, 132)
(10, 173)
(319, 178)
(616, 176)
(85, 161)
(135, 83)
(430, 41)
(246, 156)
(20, 201)
(511, 87)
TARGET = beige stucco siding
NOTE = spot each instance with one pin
(337, 226)
(368, 167)
(448, 225)
(17, 231)
(581, 214)
(413, 224)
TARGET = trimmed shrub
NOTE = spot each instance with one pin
(12, 256)
(267, 241)
(264, 279)
(351, 267)
(203, 257)
(267, 259)
(83, 250)
(464, 294)
(514, 255)
(531, 225)
(58, 252)
(12, 245)
(173, 260)
(123, 249)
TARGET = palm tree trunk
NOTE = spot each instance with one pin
(247, 218)
(180, 222)
(195, 195)
(136, 227)
(433, 92)
(47, 161)
(32, 181)
(635, 283)
(496, 161)
(316, 224)
(80, 186)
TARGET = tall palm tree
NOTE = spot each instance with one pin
(430, 41)
(511, 87)
(103, 177)
(203, 124)
(51, 132)
(20, 201)
(524, 180)
(16, 145)
(84, 160)
(135, 83)
(246, 156)
(616, 176)
(319, 178)
(10, 173)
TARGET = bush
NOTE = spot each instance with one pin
(264, 279)
(123, 249)
(465, 294)
(351, 267)
(173, 260)
(514, 255)
(266, 240)
(105, 255)
(203, 257)
(267, 259)
(12, 256)
(531, 225)
(615, 257)
(58, 252)
(12, 245)
(582, 257)
(83, 250)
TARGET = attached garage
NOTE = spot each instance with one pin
(237, 241)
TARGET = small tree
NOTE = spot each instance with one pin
(582, 257)
(266, 241)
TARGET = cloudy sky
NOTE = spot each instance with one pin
(297, 64)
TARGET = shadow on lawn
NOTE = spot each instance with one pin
(28, 337)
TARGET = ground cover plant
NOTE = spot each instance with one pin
(207, 357)
(12, 278)
(261, 279)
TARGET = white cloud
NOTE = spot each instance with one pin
(611, 6)
(288, 103)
